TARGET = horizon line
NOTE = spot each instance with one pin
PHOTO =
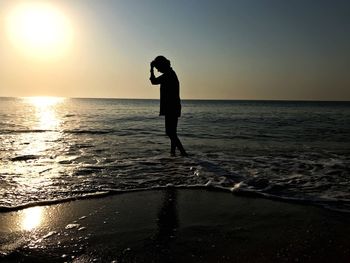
(199, 99)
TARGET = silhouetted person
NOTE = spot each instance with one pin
(170, 105)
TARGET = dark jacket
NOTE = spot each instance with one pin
(169, 93)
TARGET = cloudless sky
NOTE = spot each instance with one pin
(224, 49)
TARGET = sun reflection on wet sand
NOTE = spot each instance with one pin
(32, 218)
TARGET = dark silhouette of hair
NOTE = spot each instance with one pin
(162, 62)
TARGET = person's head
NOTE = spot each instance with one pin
(161, 63)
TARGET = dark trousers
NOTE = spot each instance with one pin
(171, 131)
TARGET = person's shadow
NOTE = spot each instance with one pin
(167, 227)
(159, 247)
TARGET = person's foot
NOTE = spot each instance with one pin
(172, 154)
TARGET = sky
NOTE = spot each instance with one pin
(223, 49)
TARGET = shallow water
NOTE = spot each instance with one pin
(54, 149)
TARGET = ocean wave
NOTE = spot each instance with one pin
(25, 157)
(92, 132)
(73, 131)
(311, 178)
(339, 205)
(11, 131)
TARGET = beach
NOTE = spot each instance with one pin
(174, 225)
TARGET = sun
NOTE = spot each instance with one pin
(39, 29)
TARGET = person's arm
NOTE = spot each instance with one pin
(154, 80)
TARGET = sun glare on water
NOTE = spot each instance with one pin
(43, 102)
(43, 115)
(39, 29)
(45, 111)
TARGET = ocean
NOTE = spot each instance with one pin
(54, 149)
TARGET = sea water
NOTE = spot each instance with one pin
(55, 149)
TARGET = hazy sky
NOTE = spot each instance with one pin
(234, 49)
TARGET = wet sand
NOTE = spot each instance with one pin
(174, 226)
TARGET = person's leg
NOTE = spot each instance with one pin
(177, 140)
(170, 130)
(180, 147)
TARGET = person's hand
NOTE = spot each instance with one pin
(152, 64)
